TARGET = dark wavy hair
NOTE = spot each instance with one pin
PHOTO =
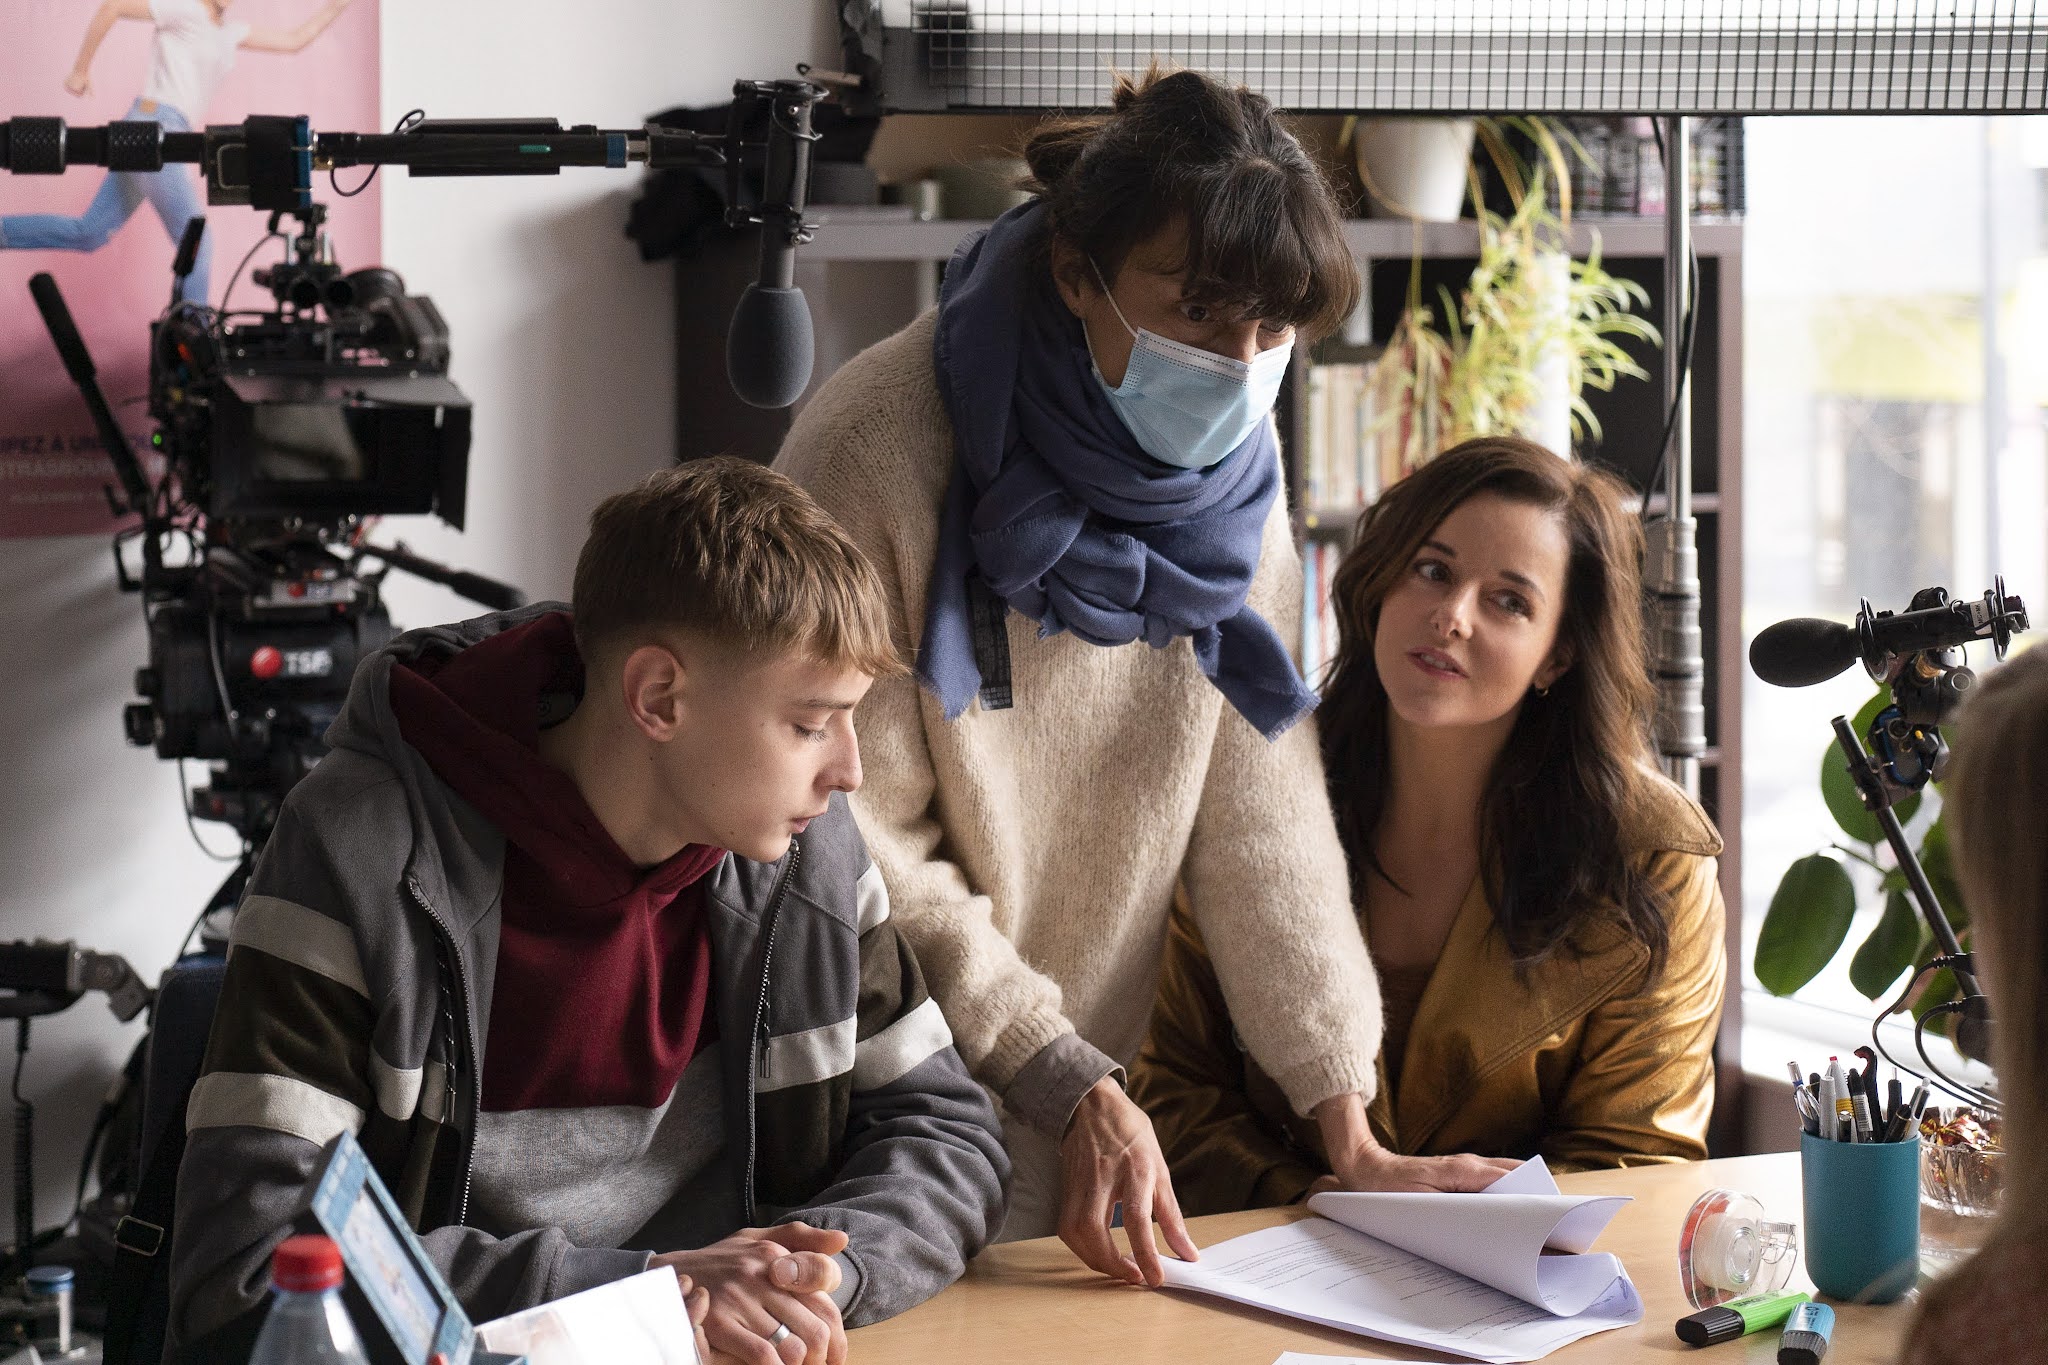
(1552, 848)
(1264, 235)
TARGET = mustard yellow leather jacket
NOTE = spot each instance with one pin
(1583, 1059)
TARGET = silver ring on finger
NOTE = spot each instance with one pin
(780, 1334)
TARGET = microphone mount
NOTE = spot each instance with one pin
(1915, 654)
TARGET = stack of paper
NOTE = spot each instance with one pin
(1507, 1275)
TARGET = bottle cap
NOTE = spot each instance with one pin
(306, 1263)
(49, 1279)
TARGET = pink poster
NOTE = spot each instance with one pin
(109, 240)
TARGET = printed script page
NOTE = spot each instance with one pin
(1469, 1273)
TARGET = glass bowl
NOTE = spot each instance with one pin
(1960, 1180)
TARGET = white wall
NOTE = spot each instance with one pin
(561, 339)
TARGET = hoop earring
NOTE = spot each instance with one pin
(1542, 691)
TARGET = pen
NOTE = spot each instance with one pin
(1906, 1122)
(1898, 1102)
(1809, 1116)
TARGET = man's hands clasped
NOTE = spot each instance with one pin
(742, 1290)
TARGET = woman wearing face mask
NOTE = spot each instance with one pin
(1541, 903)
(1068, 475)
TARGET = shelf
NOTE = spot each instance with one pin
(889, 233)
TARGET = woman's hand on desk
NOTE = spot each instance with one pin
(759, 1279)
(1111, 1156)
(1360, 1163)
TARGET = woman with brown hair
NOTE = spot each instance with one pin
(1541, 904)
(1989, 1308)
(1069, 477)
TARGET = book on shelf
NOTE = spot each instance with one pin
(1319, 560)
(1339, 454)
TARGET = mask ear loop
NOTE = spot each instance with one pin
(1111, 297)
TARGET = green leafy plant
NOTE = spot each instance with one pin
(1470, 366)
(1812, 910)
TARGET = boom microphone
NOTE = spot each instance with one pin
(1808, 650)
(1803, 651)
(769, 349)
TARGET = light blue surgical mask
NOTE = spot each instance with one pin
(1186, 406)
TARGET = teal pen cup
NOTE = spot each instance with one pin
(1862, 1230)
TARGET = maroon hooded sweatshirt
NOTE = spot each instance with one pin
(603, 984)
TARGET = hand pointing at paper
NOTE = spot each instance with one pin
(1111, 1156)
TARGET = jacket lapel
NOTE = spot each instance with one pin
(1477, 1015)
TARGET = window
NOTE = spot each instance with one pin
(1895, 388)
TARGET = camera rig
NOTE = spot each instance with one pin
(283, 433)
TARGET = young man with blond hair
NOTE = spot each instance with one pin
(573, 929)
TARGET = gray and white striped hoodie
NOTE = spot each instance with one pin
(357, 995)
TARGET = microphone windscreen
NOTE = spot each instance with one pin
(1803, 651)
(768, 352)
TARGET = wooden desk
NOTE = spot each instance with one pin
(1032, 1303)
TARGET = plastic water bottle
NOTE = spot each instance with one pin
(307, 1323)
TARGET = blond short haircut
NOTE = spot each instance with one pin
(737, 553)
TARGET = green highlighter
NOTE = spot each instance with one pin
(1737, 1318)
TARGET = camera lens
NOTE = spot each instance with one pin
(304, 293)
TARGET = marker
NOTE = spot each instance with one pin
(1806, 1335)
(1737, 1318)
(1860, 1108)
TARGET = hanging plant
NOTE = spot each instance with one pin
(1472, 365)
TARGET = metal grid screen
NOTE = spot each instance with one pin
(1557, 56)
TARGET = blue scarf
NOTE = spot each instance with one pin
(1065, 517)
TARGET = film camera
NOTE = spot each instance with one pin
(281, 434)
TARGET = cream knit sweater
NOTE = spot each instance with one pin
(1030, 854)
